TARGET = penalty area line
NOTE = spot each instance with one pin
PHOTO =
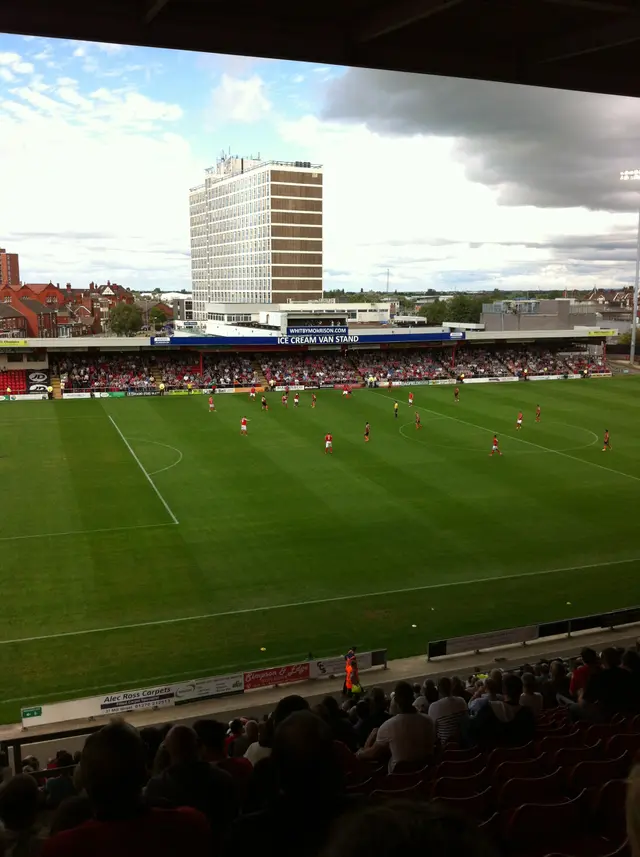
(142, 467)
(497, 578)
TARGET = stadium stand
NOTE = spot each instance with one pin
(179, 370)
(176, 371)
(14, 381)
(355, 775)
(318, 369)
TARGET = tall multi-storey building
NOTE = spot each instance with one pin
(256, 233)
(9, 269)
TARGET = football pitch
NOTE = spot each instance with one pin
(144, 540)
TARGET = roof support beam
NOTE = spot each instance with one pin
(623, 31)
(610, 6)
(397, 15)
(154, 7)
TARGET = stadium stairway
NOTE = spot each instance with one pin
(57, 389)
(257, 368)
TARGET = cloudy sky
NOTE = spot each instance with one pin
(450, 184)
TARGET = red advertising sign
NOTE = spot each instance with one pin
(276, 675)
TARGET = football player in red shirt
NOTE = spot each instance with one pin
(328, 443)
(243, 426)
(212, 404)
(537, 413)
(606, 444)
(495, 447)
(519, 421)
(314, 399)
(252, 395)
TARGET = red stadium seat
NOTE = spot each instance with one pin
(457, 755)
(467, 768)
(629, 743)
(516, 792)
(553, 743)
(475, 806)
(609, 809)
(397, 782)
(522, 769)
(588, 775)
(510, 754)
(537, 828)
(623, 851)
(569, 757)
(458, 787)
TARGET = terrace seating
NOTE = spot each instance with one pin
(14, 380)
(562, 793)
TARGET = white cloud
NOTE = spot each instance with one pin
(15, 63)
(6, 75)
(80, 51)
(67, 81)
(405, 203)
(107, 48)
(237, 100)
(111, 180)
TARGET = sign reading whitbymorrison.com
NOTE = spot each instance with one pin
(184, 692)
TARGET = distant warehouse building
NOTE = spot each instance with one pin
(559, 314)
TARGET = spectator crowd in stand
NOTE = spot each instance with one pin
(322, 780)
(117, 372)
(185, 370)
(309, 369)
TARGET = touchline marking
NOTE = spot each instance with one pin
(84, 532)
(146, 475)
(529, 442)
(314, 602)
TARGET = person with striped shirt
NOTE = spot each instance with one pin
(449, 713)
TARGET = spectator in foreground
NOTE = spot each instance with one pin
(402, 828)
(581, 675)
(449, 713)
(113, 772)
(530, 697)
(211, 735)
(428, 694)
(19, 805)
(505, 721)
(339, 724)
(407, 737)
(286, 706)
(310, 794)
(191, 781)
(490, 693)
(611, 690)
(372, 713)
(557, 687)
(244, 741)
(58, 788)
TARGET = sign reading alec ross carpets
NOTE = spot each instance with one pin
(164, 696)
(182, 693)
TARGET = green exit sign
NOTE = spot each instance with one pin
(36, 711)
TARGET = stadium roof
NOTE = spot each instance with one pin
(568, 44)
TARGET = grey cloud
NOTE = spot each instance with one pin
(538, 147)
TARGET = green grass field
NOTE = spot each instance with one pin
(282, 547)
